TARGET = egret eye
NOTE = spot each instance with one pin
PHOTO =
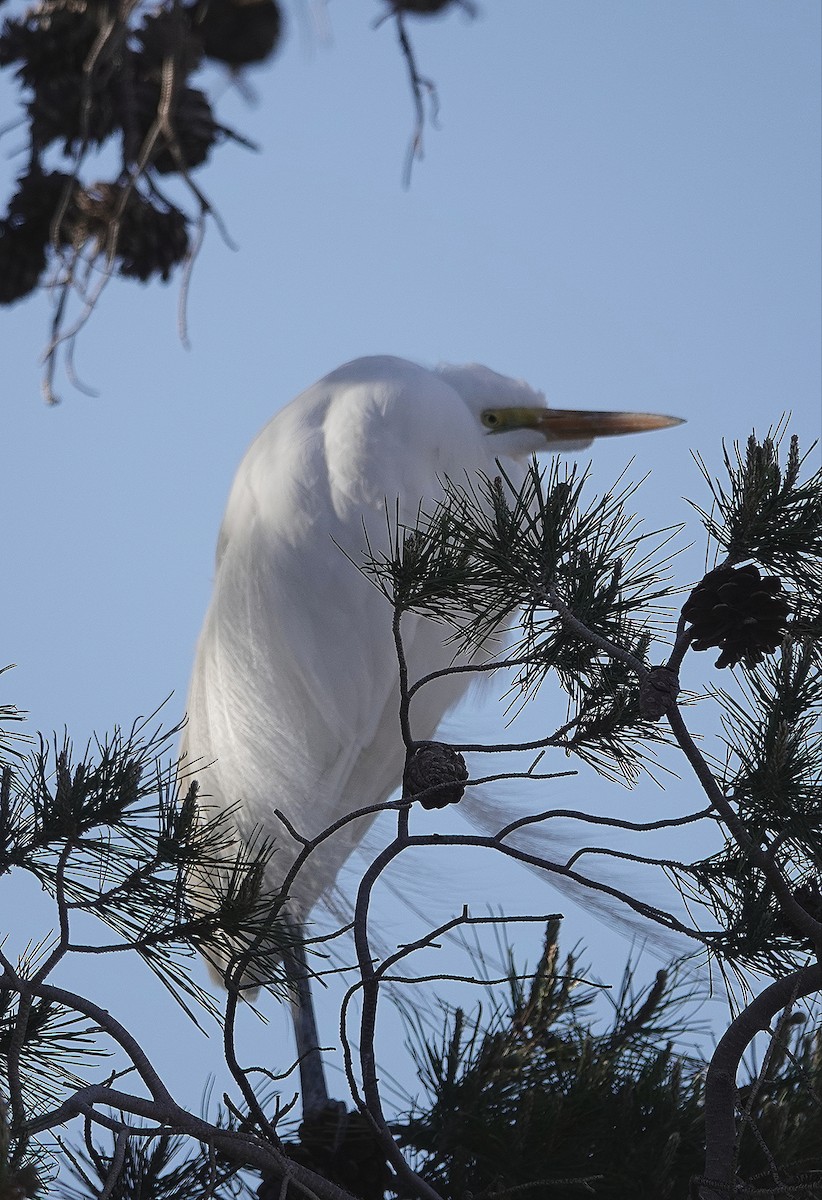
(490, 419)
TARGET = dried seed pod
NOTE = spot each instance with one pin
(37, 201)
(191, 119)
(435, 765)
(658, 690)
(147, 240)
(168, 34)
(22, 262)
(738, 611)
(238, 32)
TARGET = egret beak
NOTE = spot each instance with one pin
(572, 424)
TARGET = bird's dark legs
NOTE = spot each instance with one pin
(342, 1146)
(312, 1076)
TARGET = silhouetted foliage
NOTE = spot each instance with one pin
(529, 1091)
(108, 75)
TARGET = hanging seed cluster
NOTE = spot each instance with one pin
(738, 611)
(26, 231)
(92, 75)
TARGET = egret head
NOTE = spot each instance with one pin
(511, 410)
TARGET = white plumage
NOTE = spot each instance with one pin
(294, 695)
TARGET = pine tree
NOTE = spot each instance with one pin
(529, 1094)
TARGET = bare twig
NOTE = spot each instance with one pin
(420, 87)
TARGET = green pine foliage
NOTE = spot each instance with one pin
(772, 768)
(529, 1095)
(766, 513)
(160, 1169)
(493, 555)
(113, 837)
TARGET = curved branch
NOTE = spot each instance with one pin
(596, 819)
(240, 1146)
(720, 1082)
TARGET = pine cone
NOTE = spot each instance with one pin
(168, 33)
(49, 40)
(657, 692)
(35, 204)
(340, 1146)
(51, 44)
(238, 32)
(435, 765)
(191, 119)
(22, 262)
(150, 240)
(58, 108)
(738, 611)
(809, 895)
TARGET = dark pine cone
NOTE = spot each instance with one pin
(740, 612)
(164, 34)
(150, 240)
(657, 692)
(191, 119)
(238, 32)
(51, 39)
(435, 765)
(55, 107)
(39, 196)
(22, 262)
(58, 108)
(340, 1146)
(51, 45)
(26, 230)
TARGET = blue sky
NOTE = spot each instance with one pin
(621, 204)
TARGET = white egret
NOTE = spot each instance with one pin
(294, 693)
